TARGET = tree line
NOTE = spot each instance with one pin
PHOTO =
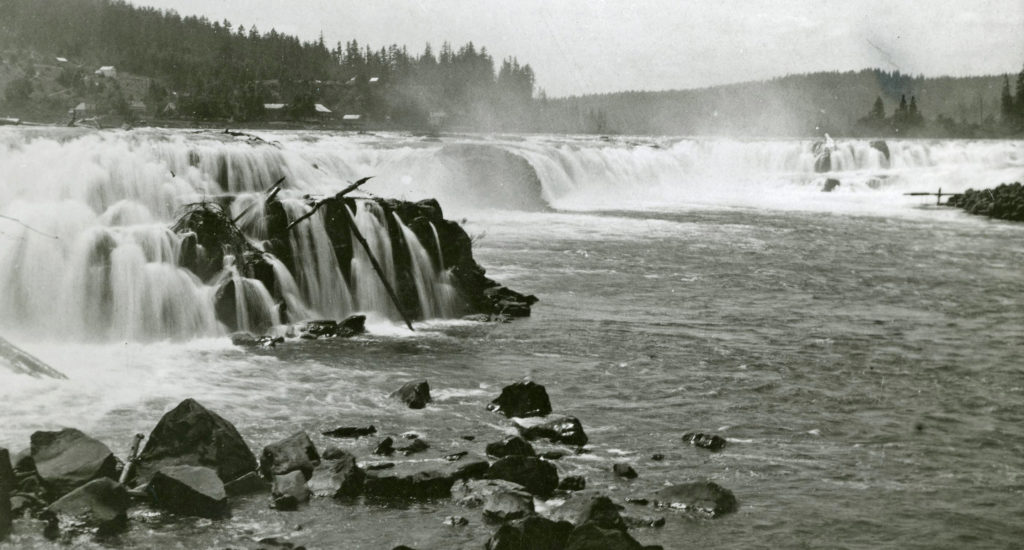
(220, 71)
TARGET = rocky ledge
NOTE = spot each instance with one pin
(1004, 202)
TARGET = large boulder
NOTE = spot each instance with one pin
(473, 493)
(539, 477)
(289, 490)
(512, 445)
(68, 459)
(189, 491)
(532, 532)
(414, 394)
(522, 399)
(101, 504)
(881, 146)
(293, 453)
(191, 435)
(408, 482)
(561, 429)
(507, 505)
(701, 498)
(338, 478)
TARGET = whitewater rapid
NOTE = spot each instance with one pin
(95, 256)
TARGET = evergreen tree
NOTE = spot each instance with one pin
(914, 117)
(878, 110)
(1006, 101)
(1019, 103)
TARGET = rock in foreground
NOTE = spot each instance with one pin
(532, 532)
(293, 453)
(68, 459)
(101, 504)
(522, 399)
(562, 429)
(702, 498)
(191, 435)
(414, 394)
(539, 477)
(189, 491)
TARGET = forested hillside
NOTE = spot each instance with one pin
(187, 69)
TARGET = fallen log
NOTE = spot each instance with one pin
(320, 203)
(133, 457)
(21, 362)
(376, 266)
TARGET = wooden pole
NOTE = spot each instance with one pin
(376, 266)
(133, 456)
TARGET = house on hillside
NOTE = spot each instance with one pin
(137, 108)
(275, 111)
(352, 121)
(323, 113)
(107, 71)
(83, 110)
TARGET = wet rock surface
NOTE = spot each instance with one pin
(701, 498)
(561, 429)
(522, 399)
(414, 394)
(294, 453)
(289, 491)
(710, 442)
(191, 435)
(101, 504)
(533, 532)
(67, 459)
(539, 477)
(512, 445)
(189, 491)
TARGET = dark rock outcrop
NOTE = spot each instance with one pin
(572, 483)
(624, 470)
(1004, 202)
(415, 394)
(68, 459)
(830, 185)
(386, 447)
(562, 429)
(512, 445)
(406, 483)
(539, 477)
(522, 399)
(295, 452)
(702, 498)
(101, 504)
(189, 491)
(350, 431)
(350, 326)
(289, 490)
(191, 435)
(881, 146)
(533, 532)
(710, 442)
(7, 485)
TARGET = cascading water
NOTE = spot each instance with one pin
(435, 293)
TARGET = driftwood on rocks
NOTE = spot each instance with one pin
(21, 362)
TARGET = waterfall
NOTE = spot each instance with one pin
(435, 293)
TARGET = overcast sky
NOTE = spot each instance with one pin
(593, 46)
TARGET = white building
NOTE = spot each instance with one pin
(107, 71)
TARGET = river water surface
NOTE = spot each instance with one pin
(860, 350)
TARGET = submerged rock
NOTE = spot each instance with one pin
(703, 498)
(350, 326)
(68, 459)
(289, 490)
(414, 394)
(386, 447)
(572, 483)
(522, 399)
(189, 491)
(405, 484)
(562, 429)
(512, 445)
(710, 442)
(191, 435)
(295, 452)
(830, 185)
(624, 470)
(350, 431)
(537, 476)
(101, 504)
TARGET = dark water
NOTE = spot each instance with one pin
(866, 371)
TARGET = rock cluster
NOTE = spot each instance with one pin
(1004, 202)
